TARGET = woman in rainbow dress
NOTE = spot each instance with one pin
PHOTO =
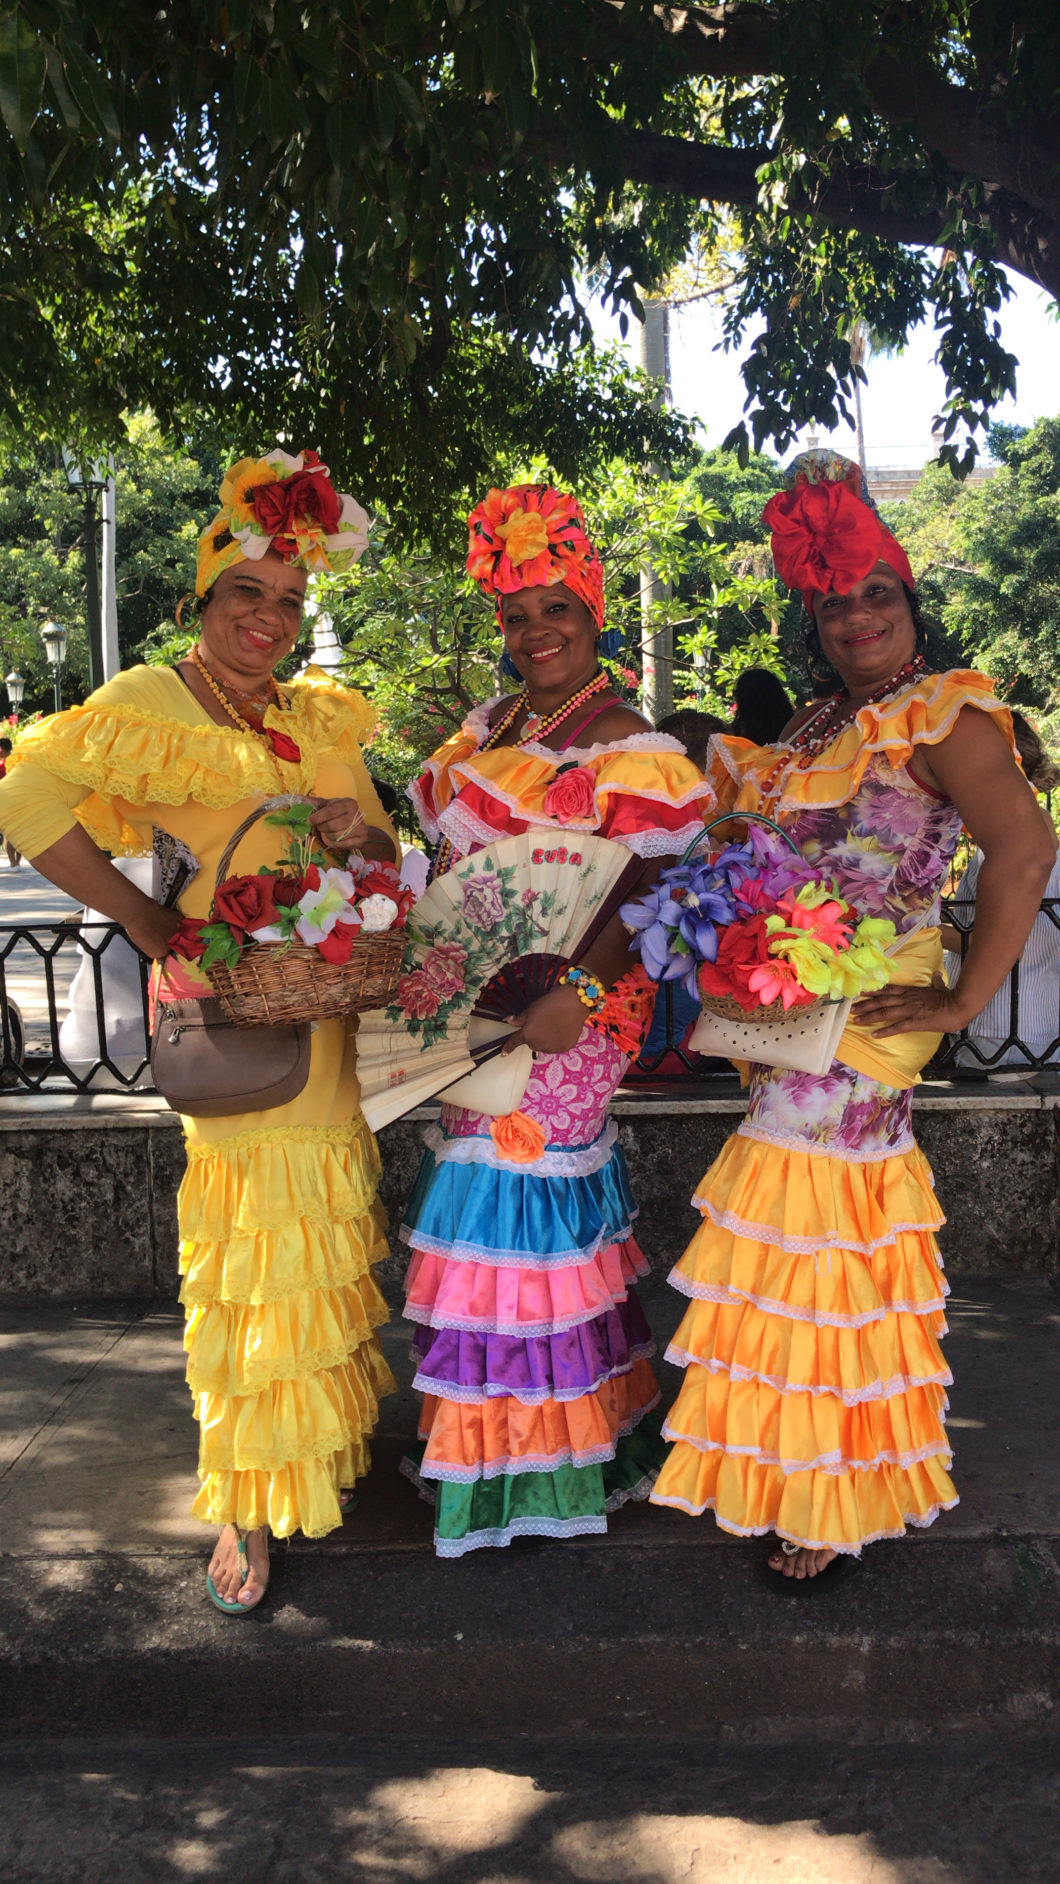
(815, 1390)
(533, 1352)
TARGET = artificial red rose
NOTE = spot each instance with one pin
(311, 880)
(307, 494)
(287, 891)
(379, 879)
(188, 942)
(245, 903)
(338, 945)
(283, 747)
(742, 948)
(571, 797)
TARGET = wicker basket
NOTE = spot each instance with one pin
(726, 1007)
(274, 983)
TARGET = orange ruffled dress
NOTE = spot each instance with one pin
(814, 1397)
(532, 1351)
(278, 1215)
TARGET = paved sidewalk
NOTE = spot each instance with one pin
(104, 1623)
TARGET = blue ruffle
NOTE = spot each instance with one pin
(474, 1213)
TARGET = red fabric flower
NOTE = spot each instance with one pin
(825, 538)
(245, 903)
(283, 746)
(380, 879)
(571, 797)
(307, 493)
(287, 891)
(338, 945)
(742, 947)
(187, 941)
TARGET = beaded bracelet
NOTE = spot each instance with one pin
(589, 990)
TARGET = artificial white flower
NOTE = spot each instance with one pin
(378, 914)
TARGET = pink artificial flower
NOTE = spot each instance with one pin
(571, 797)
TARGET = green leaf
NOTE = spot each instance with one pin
(342, 136)
(23, 67)
(91, 91)
(248, 85)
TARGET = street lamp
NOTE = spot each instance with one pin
(16, 687)
(53, 635)
(90, 479)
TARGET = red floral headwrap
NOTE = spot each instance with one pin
(825, 535)
(532, 536)
(283, 503)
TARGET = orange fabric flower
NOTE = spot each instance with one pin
(532, 536)
(519, 1139)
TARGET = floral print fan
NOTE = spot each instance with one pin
(485, 940)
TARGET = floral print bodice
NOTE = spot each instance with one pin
(889, 848)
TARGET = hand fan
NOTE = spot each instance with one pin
(485, 940)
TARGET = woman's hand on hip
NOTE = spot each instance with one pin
(900, 1010)
(340, 823)
(551, 1024)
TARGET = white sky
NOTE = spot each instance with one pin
(903, 394)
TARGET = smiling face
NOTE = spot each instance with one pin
(253, 617)
(552, 638)
(867, 634)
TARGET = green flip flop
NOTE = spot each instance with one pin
(219, 1602)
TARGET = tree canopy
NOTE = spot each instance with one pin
(373, 223)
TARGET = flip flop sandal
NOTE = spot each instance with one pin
(840, 1570)
(347, 1501)
(220, 1602)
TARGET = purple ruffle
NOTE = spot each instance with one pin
(464, 1366)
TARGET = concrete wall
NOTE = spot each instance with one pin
(88, 1187)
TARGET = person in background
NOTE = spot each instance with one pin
(694, 731)
(13, 856)
(415, 865)
(1037, 1018)
(761, 708)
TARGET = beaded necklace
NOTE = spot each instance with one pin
(536, 728)
(821, 728)
(273, 697)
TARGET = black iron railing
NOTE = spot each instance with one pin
(98, 1039)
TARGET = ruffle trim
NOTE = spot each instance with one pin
(850, 1396)
(507, 1465)
(729, 1296)
(792, 1142)
(832, 1464)
(919, 1520)
(132, 752)
(782, 780)
(803, 1245)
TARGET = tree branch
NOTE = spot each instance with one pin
(970, 134)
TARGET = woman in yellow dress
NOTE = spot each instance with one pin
(814, 1394)
(278, 1215)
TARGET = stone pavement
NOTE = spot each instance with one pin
(942, 1811)
(105, 1629)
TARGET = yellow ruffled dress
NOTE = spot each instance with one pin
(814, 1397)
(278, 1215)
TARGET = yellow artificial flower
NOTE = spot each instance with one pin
(524, 536)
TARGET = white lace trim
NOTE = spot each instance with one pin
(463, 829)
(832, 1464)
(532, 1260)
(578, 1161)
(471, 1324)
(414, 792)
(850, 1396)
(920, 1520)
(735, 1298)
(631, 1494)
(658, 843)
(519, 1527)
(803, 1245)
(789, 1142)
(507, 1467)
(532, 1396)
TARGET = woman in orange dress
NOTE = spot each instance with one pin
(815, 1390)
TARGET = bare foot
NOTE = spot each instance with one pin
(802, 1563)
(226, 1570)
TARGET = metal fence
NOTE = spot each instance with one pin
(73, 1014)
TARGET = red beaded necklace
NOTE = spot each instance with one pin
(821, 728)
(535, 730)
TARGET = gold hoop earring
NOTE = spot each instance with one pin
(178, 612)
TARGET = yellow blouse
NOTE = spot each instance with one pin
(142, 752)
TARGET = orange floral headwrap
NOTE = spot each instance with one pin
(532, 536)
(826, 534)
(286, 504)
